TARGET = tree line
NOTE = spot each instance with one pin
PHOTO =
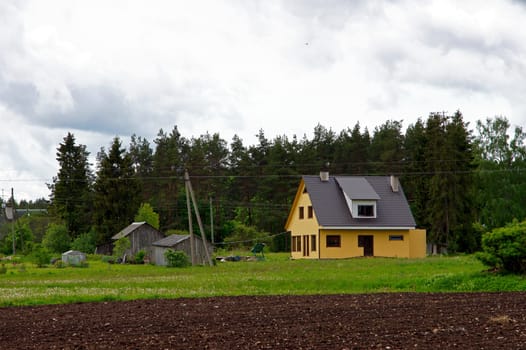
(459, 182)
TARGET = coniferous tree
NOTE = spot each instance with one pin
(142, 161)
(459, 169)
(500, 180)
(169, 161)
(386, 151)
(415, 178)
(117, 192)
(71, 190)
(360, 148)
(207, 162)
(448, 158)
(437, 205)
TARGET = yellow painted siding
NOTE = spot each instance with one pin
(348, 249)
(303, 227)
(413, 244)
(417, 247)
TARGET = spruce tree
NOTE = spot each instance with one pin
(460, 169)
(437, 205)
(415, 179)
(386, 151)
(71, 190)
(117, 192)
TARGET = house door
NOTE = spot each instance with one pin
(366, 242)
(306, 245)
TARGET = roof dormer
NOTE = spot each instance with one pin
(360, 196)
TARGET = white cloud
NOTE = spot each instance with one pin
(101, 69)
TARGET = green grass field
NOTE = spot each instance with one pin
(277, 275)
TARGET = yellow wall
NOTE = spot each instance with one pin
(349, 245)
(301, 227)
(412, 246)
(417, 247)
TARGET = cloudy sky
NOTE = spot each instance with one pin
(101, 69)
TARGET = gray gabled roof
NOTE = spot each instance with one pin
(129, 229)
(331, 210)
(171, 240)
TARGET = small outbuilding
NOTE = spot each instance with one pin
(182, 243)
(141, 235)
(73, 257)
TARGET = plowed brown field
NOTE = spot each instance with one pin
(372, 321)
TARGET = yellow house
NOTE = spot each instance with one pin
(351, 216)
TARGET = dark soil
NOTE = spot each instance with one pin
(374, 321)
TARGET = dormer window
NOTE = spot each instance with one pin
(362, 209)
(366, 210)
(360, 196)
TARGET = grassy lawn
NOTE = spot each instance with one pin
(28, 285)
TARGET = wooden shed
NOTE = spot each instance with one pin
(179, 242)
(141, 235)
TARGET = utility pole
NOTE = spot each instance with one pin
(211, 221)
(10, 215)
(199, 222)
(13, 222)
(190, 226)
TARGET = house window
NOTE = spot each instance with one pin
(313, 242)
(296, 243)
(309, 212)
(302, 212)
(366, 210)
(396, 237)
(333, 241)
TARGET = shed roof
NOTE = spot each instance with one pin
(171, 240)
(331, 210)
(130, 228)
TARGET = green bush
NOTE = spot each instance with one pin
(40, 256)
(176, 258)
(139, 257)
(85, 243)
(147, 214)
(504, 248)
(108, 259)
(59, 264)
(241, 235)
(121, 246)
(56, 239)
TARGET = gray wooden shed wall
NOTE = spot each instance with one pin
(157, 254)
(142, 239)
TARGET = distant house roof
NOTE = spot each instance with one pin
(331, 209)
(171, 240)
(130, 228)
